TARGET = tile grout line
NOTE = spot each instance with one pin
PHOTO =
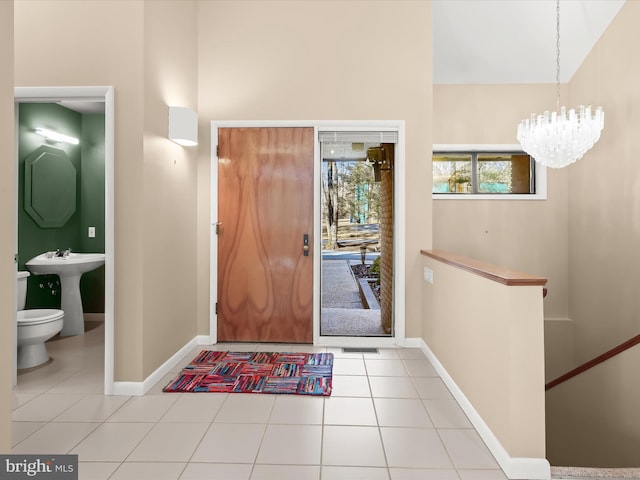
(379, 427)
(188, 462)
(47, 422)
(264, 433)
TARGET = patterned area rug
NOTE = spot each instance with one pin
(256, 372)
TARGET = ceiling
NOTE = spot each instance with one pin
(501, 41)
(514, 41)
(83, 106)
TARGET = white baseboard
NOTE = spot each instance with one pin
(514, 467)
(135, 389)
(413, 342)
(558, 319)
(204, 340)
(140, 388)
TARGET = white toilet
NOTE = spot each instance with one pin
(34, 328)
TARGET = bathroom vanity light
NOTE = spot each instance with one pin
(56, 136)
(183, 126)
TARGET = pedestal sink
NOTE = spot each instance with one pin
(69, 268)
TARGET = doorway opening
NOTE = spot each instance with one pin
(96, 107)
(357, 184)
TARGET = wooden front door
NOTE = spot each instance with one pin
(265, 210)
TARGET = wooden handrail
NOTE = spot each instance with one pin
(596, 361)
(486, 270)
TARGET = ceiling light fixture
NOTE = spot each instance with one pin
(183, 126)
(560, 138)
(56, 136)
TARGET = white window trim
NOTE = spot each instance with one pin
(541, 174)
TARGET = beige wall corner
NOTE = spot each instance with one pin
(170, 182)
(203, 229)
(559, 354)
(204, 218)
(604, 195)
(307, 63)
(592, 419)
(8, 222)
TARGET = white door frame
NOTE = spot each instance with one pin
(398, 337)
(102, 94)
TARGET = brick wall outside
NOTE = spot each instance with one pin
(386, 241)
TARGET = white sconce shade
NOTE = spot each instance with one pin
(56, 136)
(183, 126)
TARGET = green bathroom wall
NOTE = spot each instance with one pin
(44, 290)
(92, 184)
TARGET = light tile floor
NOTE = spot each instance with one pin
(389, 417)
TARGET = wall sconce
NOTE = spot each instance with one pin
(183, 126)
(56, 136)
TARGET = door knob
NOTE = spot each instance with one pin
(305, 244)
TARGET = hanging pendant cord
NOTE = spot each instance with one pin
(558, 56)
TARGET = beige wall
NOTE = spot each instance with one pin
(559, 347)
(604, 200)
(309, 63)
(248, 69)
(108, 52)
(130, 48)
(529, 236)
(8, 222)
(169, 267)
(592, 419)
(584, 237)
(489, 339)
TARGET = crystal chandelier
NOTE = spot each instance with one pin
(560, 138)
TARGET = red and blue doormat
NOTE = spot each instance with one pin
(256, 372)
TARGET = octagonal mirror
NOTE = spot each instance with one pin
(49, 187)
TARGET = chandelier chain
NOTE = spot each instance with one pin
(558, 55)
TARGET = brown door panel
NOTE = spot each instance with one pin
(265, 204)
